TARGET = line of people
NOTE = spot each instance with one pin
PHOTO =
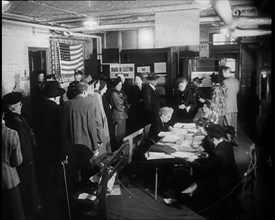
(92, 122)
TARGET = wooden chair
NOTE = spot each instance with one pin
(135, 139)
(146, 131)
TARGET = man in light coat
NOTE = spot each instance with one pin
(231, 87)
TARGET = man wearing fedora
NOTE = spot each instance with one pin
(26, 171)
(95, 110)
(50, 141)
(151, 98)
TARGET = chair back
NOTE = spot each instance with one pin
(135, 139)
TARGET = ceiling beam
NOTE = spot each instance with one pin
(48, 27)
(113, 27)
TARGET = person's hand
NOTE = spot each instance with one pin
(162, 134)
(201, 100)
(188, 108)
(182, 106)
(170, 128)
(96, 152)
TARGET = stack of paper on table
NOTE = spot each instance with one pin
(178, 125)
(186, 148)
(157, 155)
(186, 155)
(198, 138)
(170, 138)
(180, 131)
(189, 125)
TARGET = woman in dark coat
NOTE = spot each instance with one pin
(186, 103)
(136, 108)
(120, 108)
(109, 114)
(26, 171)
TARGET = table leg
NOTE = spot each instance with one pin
(156, 184)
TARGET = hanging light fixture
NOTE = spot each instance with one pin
(5, 6)
(203, 4)
(90, 23)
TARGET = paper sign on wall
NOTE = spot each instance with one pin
(143, 69)
(127, 69)
(204, 50)
(160, 67)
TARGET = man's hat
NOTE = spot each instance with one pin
(87, 79)
(197, 79)
(102, 84)
(116, 81)
(152, 77)
(52, 89)
(12, 98)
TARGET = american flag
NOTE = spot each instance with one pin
(71, 58)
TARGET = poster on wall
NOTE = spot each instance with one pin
(143, 69)
(160, 67)
(204, 50)
(127, 69)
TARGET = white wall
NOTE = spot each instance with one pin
(177, 28)
(15, 42)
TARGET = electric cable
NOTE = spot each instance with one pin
(222, 199)
(248, 178)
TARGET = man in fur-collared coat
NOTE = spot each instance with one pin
(26, 171)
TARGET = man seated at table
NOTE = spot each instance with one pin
(160, 124)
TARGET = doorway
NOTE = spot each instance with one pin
(37, 62)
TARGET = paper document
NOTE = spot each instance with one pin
(171, 138)
(83, 196)
(189, 125)
(186, 155)
(179, 131)
(157, 155)
(178, 125)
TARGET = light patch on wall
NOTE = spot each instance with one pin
(177, 28)
(145, 38)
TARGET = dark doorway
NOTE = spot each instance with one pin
(37, 62)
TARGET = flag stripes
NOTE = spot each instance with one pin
(71, 58)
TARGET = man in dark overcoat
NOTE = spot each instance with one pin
(151, 98)
(26, 171)
(51, 116)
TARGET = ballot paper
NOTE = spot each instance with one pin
(83, 196)
(190, 156)
(157, 155)
(179, 131)
(198, 138)
(189, 125)
(171, 138)
(178, 125)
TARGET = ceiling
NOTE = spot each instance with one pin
(121, 15)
